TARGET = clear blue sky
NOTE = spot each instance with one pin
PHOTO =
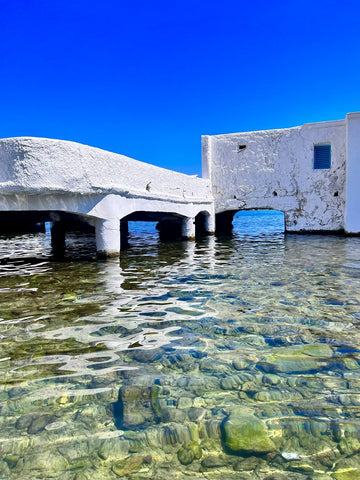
(148, 78)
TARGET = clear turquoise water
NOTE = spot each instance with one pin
(221, 358)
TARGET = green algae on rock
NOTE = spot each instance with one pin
(248, 434)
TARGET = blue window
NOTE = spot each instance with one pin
(322, 156)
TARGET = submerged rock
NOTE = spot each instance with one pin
(188, 454)
(130, 464)
(214, 461)
(249, 464)
(291, 456)
(323, 351)
(347, 474)
(248, 434)
(39, 423)
(137, 406)
(304, 359)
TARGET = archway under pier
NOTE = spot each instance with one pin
(171, 226)
(255, 221)
(58, 223)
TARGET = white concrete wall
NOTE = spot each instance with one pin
(46, 174)
(275, 171)
(352, 216)
(38, 165)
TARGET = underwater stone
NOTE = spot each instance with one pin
(185, 402)
(210, 365)
(231, 382)
(130, 464)
(347, 474)
(351, 363)
(24, 421)
(39, 423)
(327, 457)
(290, 456)
(249, 464)
(17, 392)
(349, 446)
(196, 414)
(271, 379)
(240, 364)
(317, 428)
(137, 405)
(185, 456)
(291, 364)
(81, 476)
(269, 396)
(247, 434)
(323, 351)
(188, 454)
(214, 461)
(173, 414)
(213, 428)
(146, 356)
(11, 460)
(301, 467)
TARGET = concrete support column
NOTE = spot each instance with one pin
(107, 238)
(124, 234)
(209, 224)
(188, 228)
(352, 211)
(57, 230)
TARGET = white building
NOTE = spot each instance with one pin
(311, 173)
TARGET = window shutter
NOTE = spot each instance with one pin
(322, 156)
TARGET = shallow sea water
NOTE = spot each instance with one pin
(221, 358)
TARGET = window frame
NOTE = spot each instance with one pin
(322, 156)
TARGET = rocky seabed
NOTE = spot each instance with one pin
(269, 417)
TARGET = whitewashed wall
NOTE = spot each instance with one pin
(46, 174)
(275, 171)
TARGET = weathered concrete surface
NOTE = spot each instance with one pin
(352, 214)
(40, 174)
(274, 169)
(42, 165)
(64, 181)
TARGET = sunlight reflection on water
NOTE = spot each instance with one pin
(102, 361)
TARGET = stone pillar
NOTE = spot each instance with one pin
(57, 230)
(188, 228)
(352, 211)
(209, 224)
(124, 234)
(107, 238)
(224, 225)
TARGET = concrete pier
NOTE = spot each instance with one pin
(209, 224)
(188, 228)
(310, 173)
(107, 238)
(57, 231)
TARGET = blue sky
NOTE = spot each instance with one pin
(148, 78)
